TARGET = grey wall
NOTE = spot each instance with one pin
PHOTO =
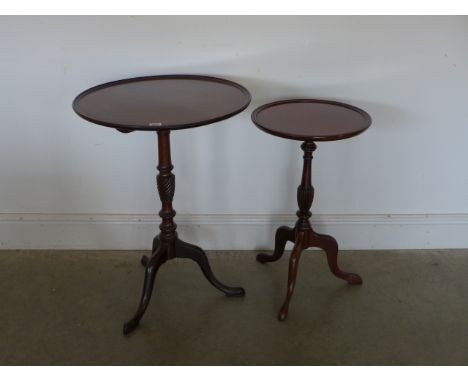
(409, 73)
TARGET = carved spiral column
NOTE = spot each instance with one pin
(305, 191)
(165, 181)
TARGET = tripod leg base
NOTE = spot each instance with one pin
(304, 239)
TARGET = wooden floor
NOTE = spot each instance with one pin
(68, 307)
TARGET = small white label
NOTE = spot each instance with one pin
(155, 124)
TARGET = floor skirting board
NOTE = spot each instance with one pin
(229, 231)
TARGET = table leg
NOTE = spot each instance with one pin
(283, 234)
(190, 251)
(152, 266)
(330, 246)
(292, 274)
(156, 244)
(167, 245)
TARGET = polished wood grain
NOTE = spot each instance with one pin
(166, 102)
(316, 120)
(311, 119)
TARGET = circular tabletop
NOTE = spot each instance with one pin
(159, 103)
(311, 119)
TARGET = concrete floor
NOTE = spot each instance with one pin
(68, 307)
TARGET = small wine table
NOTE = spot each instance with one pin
(308, 120)
(162, 104)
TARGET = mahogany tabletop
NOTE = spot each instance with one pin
(311, 119)
(166, 102)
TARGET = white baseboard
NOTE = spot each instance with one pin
(236, 232)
